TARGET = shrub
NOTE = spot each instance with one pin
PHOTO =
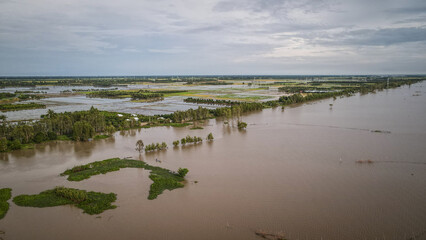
(40, 137)
(52, 135)
(15, 145)
(210, 137)
(182, 172)
(242, 125)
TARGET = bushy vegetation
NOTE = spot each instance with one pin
(176, 143)
(241, 125)
(162, 178)
(7, 95)
(155, 147)
(20, 96)
(147, 95)
(5, 195)
(182, 172)
(210, 137)
(210, 101)
(90, 202)
(191, 114)
(189, 139)
(23, 106)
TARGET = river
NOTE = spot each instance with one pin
(292, 171)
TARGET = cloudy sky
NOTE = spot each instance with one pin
(177, 37)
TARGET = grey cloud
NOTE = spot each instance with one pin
(186, 35)
(372, 37)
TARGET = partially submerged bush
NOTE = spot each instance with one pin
(182, 172)
(5, 195)
(242, 125)
(210, 137)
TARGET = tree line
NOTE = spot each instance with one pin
(78, 126)
(139, 95)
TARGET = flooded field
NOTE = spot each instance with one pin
(78, 101)
(293, 171)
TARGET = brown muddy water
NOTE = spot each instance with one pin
(293, 171)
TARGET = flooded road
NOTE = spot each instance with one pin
(292, 171)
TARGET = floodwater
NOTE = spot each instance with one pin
(292, 171)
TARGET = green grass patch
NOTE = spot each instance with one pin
(186, 93)
(5, 195)
(196, 127)
(90, 202)
(27, 146)
(242, 97)
(162, 178)
(98, 137)
(64, 138)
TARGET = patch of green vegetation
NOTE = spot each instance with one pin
(196, 127)
(167, 125)
(185, 93)
(90, 202)
(18, 107)
(98, 137)
(189, 139)
(155, 147)
(5, 195)
(27, 146)
(242, 97)
(162, 178)
(64, 138)
(242, 125)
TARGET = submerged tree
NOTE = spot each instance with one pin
(110, 130)
(242, 125)
(210, 137)
(139, 146)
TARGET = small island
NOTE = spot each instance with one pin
(91, 202)
(162, 178)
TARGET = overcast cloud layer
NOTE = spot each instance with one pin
(176, 37)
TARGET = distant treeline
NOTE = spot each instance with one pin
(93, 89)
(363, 89)
(207, 82)
(229, 102)
(355, 86)
(209, 101)
(123, 80)
(139, 95)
